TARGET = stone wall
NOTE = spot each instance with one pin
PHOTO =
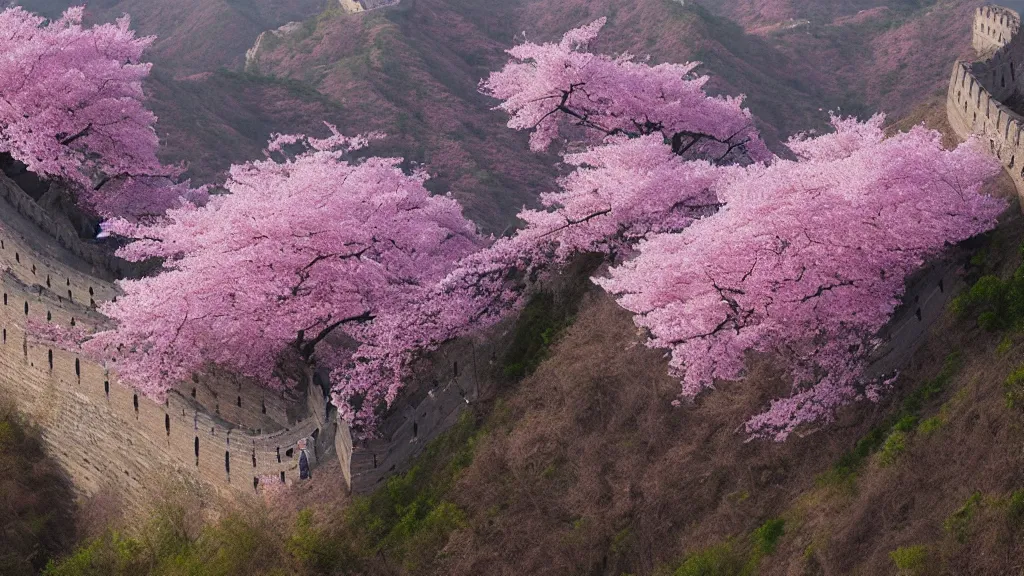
(994, 26)
(447, 382)
(224, 438)
(981, 94)
(219, 433)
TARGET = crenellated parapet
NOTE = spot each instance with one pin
(993, 28)
(986, 98)
(219, 433)
(224, 435)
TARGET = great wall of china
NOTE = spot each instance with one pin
(218, 434)
(229, 438)
(985, 98)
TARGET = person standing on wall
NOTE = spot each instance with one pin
(304, 470)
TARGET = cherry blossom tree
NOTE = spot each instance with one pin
(806, 261)
(719, 247)
(654, 140)
(307, 259)
(71, 110)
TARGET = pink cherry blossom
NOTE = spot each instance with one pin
(71, 109)
(805, 261)
(303, 253)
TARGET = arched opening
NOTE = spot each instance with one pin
(289, 452)
(278, 454)
(49, 316)
(374, 460)
(263, 406)
(193, 392)
(33, 269)
(167, 423)
(26, 308)
(48, 281)
(227, 464)
(253, 457)
(197, 450)
(282, 477)
(5, 298)
(106, 388)
(49, 357)
(70, 297)
(72, 322)
(135, 402)
(78, 367)
(918, 314)
(17, 257)
(256, 483)
(415, 429)
(239, 402)
(455, 369)
(91, 293)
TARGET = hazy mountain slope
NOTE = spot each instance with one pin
(888, 55)
(412, 71)
(193, 35)
(210, 120)
(784, 93)
(209, 117)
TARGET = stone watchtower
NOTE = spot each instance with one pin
(986, 98)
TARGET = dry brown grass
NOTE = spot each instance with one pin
(589, 470)
(593, 471)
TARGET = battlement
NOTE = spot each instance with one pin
(986, 98)
(994, 26)
(219, 433)
(107, 434)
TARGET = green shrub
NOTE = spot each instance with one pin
(906, 424)
(893, 446)
(314, 547)
(1004, 345)
(766, 538)
(958, 524)
(910, 560)
(1014, 388)
(536, 329)
(1015, 509)
(997, 304)
(891, 435)
(718, 560)
(930, 426)
(110, 555)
